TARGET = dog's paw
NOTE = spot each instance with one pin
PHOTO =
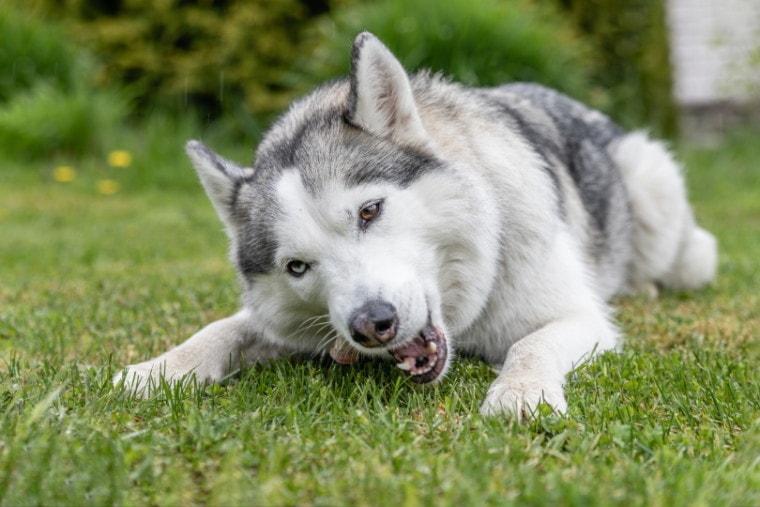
(144, 379)
(520, 396)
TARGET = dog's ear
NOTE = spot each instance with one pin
(381, 99)
(218, 176)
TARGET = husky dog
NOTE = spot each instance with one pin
(413, 219)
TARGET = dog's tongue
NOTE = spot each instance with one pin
(424, 357)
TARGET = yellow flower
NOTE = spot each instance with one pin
(64, 174)
(120, 158)
(107, 187)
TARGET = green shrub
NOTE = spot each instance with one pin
(47, 120)
(31, 52)
(219, 55)
(478, 42)
(245, 61)
(48, 104)
(630, 38)
(248, 60)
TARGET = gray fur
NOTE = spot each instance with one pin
(575, 140)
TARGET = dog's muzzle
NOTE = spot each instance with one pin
(376, 323)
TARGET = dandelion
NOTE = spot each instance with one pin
(64, 174)
(120, 158)
(107, 187)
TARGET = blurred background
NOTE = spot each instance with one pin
(80, 73)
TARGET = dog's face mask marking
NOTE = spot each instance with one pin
(351, 268)
(347, 253)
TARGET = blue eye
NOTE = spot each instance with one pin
(297, 268)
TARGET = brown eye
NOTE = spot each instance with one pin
(370, 211)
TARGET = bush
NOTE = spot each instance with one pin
(631, 43)
(236, 59)
(31, 52)
(225, 57)
(48, 120)
(478, 42)
(47, 102)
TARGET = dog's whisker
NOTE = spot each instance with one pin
(317, 318)
(314, 327)
(325, 342)
(324, 327)
(313, 321)
(324, 345)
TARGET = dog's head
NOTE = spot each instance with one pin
(349, 228)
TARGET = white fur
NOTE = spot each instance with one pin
(668, 247)
(216, 182)
(210, 355)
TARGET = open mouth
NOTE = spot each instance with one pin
(423, 358)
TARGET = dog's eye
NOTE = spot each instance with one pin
(370, 211)
(297, 268)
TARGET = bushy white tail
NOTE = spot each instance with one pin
(696, 262)
(669, 248)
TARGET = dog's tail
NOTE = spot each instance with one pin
(670, 249)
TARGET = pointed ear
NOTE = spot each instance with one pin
(218, 176)
(381, 99)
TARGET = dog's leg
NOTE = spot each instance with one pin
(535, 368)
(209, 356)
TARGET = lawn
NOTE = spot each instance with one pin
(112, 265)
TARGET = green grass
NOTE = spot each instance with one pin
(90, 282)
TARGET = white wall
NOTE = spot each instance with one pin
(715, 50)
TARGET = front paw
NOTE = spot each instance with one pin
(520, 395)
(144, 379)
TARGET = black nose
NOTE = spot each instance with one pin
(374, 324)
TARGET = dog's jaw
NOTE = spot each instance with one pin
(425, 357)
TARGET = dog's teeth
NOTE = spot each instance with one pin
(406, 364)
(422, 371)
(431, 348)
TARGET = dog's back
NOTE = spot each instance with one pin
(622, 194)
(573, 142)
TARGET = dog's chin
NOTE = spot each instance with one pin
(425, 357)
